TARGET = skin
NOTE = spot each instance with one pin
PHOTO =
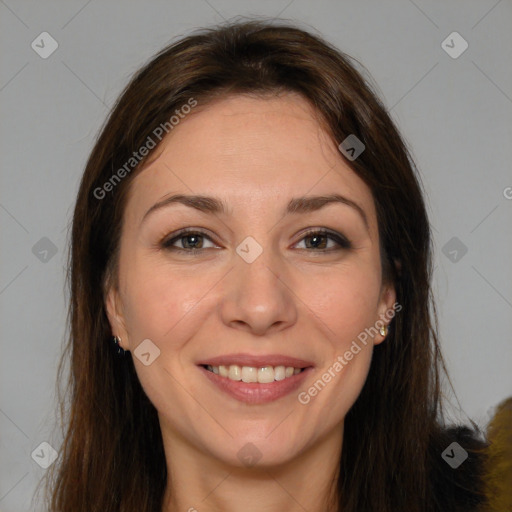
(294, 299)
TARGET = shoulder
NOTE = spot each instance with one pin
(457, 461)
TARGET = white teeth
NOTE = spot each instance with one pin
(249, 374)
(266, 375)
(262, 375)
(235, 372)
(279, 373)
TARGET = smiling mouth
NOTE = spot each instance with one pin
(261, 375)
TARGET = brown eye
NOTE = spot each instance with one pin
(191, 241)
(319, 240)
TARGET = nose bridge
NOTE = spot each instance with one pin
(258, 269)
(257, 296)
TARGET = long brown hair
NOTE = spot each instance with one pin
(112, 457)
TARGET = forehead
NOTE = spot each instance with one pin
(251, 151)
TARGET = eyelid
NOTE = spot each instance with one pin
(166, 242)
(343, 243)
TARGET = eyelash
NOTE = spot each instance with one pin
(341, 240)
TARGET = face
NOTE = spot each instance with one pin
(267, 282)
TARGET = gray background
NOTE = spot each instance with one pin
(455, 114)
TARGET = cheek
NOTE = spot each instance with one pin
(347, 302)
(162, 304)
(347, 306)
(157, 300)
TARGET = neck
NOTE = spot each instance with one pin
(198, 482)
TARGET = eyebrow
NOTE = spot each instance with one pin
(298, 205)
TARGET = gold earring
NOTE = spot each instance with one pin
(383, 330)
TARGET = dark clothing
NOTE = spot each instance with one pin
(458, 487)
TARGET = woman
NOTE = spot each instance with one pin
(251, 234)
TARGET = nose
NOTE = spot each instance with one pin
(256, 298)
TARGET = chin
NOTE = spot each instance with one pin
(264, 452)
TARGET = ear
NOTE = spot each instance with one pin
(386, 310)
(114, 307)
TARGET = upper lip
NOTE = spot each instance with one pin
(258, 361)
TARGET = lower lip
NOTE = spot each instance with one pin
(255, 393)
